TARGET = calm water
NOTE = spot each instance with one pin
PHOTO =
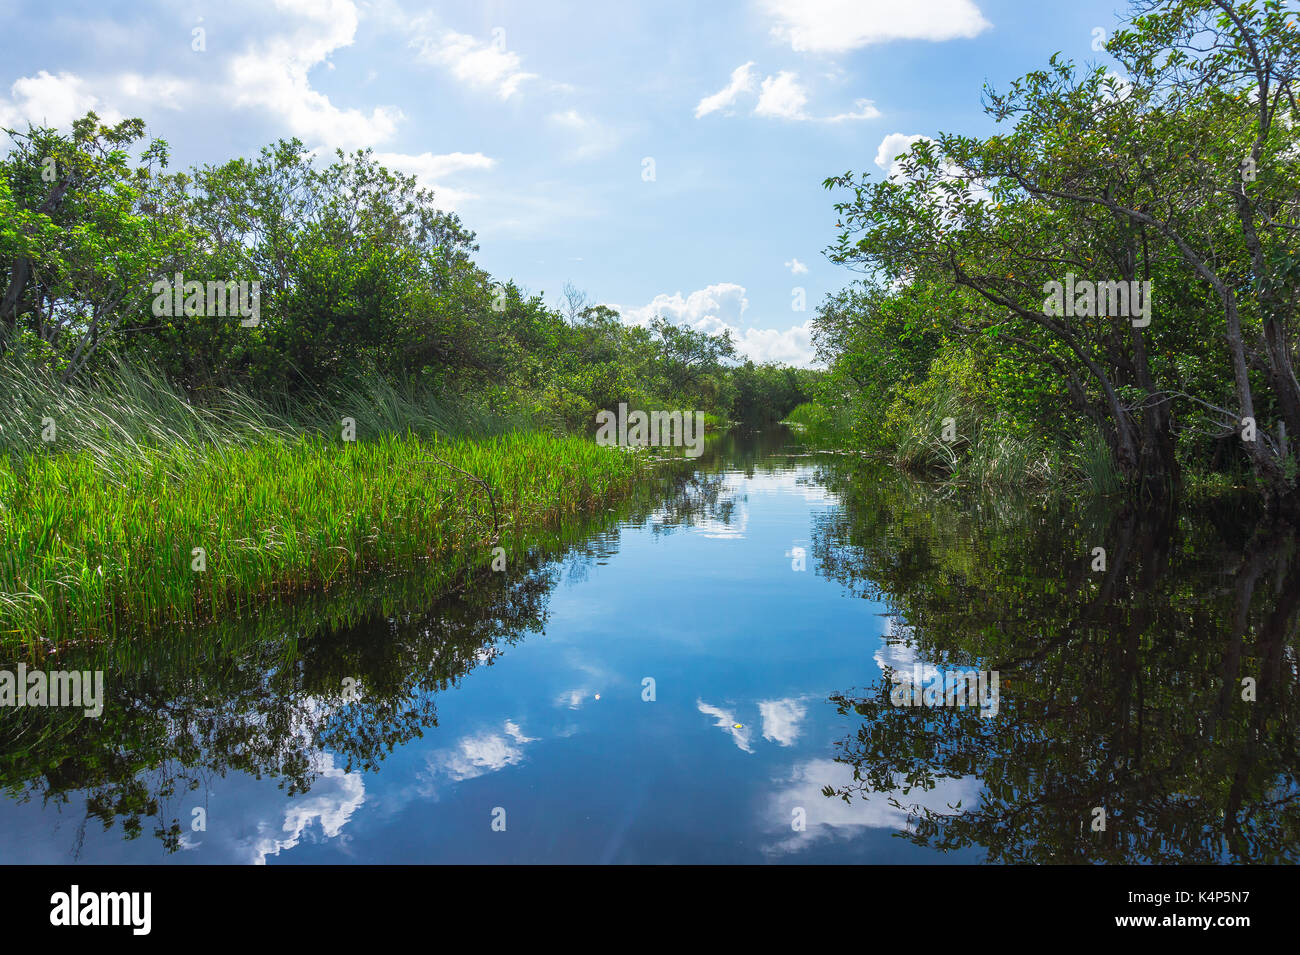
(704, 676)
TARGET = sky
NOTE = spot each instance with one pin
(665, 157)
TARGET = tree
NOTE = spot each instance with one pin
(1123, 181)
(84, 233)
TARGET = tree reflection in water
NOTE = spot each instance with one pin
(1121, 689)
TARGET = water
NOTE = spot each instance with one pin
(676, 683)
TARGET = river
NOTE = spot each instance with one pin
(710, 674)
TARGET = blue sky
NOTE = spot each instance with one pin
(540, 123)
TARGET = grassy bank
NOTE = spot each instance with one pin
(99, 524)
(981, 452)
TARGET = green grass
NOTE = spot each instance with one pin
(1093, 461)
(983, 453)
(98, 528)
(820, 425)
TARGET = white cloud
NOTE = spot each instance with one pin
(335, 796)
(709, 308)
(484, 753)
(899, 656)
(837, 26)
(1117, 88)
(892, 146)
(833, 818)
(796, 267)
(782, 97)
(742, 81)
(793, 346)
(898, 144)
(50, 100)
(781, 719)
(725, 719)
(431, 169)
(572, 119)
(272, 74)
(721, 307)
(484, 65)
(55, 100)
(735, 527)
(163, 92)
(866, 110)
(785, 483)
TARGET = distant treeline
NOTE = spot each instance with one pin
(288, 279)
(1108, 288)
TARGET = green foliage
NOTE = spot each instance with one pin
(764, 394)
(361, 278)
(1107, 182)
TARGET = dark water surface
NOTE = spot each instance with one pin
(770, 737)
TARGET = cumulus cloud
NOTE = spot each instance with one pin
(782, 97)
(793, 346)
(486, 65)
(742, 81)
(434, 167)
(56, 99)
(735, 527)
(898, 144)
(482, 753)
(431, 170)
(272, 75)
(893, 146)
(787, 483)
(709, 308)
(575, 698)
(162, 92)
(53, 100)
(1116, 88)
(838, 26)
(897, 655)
(796, 267)
(720, 307)
(781, 719)
(335, 797)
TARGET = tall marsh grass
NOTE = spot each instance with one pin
(98, 527)
(820, 425)
(1093, 461)
(986, 451)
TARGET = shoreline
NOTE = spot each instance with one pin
(186, 538)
